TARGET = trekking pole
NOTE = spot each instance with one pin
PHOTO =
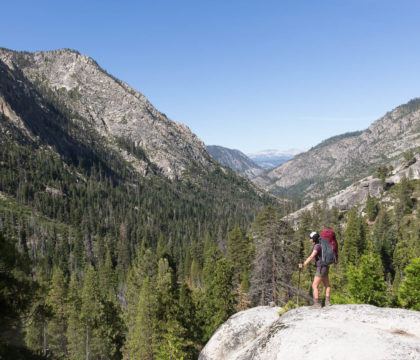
(297, 297)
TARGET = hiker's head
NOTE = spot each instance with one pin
(314, 236)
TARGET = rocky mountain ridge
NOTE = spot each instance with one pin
(117, 112)
(235, 160)
(342, 160)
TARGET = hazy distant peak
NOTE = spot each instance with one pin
(275, 152)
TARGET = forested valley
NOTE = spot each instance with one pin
(93, 267)
(121, 238)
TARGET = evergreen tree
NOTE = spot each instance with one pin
(75, 334)
(107, 278)
(384, 240)
(143, 266)
(195, 275)
(366, 282)
(371, 208)
(90, 311)
(219, 296)
(406, 249)
(275, 260)
(97, 316)
(354, 238)
(240, 254)
(141, 340)
(57, 325)
(409, 290)
(16, 293)
(404, 203)
(36, 332)
(187, 317)
(174, 344)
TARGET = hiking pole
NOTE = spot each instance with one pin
(297, 296)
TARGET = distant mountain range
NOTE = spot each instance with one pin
(269, 159)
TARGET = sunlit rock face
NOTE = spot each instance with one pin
(97, 100)
(342, 332)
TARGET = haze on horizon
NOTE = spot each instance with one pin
(242, 74)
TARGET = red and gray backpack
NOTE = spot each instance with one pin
(329, 246)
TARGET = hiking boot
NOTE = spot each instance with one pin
(316, 305)
(327, 302)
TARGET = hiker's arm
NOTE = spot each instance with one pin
(309, 259)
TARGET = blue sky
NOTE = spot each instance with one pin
(245, 74)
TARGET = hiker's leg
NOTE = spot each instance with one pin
(315, 284)
(326, 282)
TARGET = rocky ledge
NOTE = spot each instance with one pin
(340, 332)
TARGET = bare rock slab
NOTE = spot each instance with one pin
(341, 332)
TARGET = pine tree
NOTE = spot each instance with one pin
(219, 296)
(409, 290)
(366, 282)
(372, 208)
(404, 203)
(187, 317)
(98, 317)
(240, 254)
(57, 325)
(36, 333)
(143, 266)
(276, 257)
(16, 294)
(107, 278)
(384, 240)
(406, 249)
(354, 238)
(90, 311)
(141, 339)
(195, 275)
(75, 331)
(174, 344)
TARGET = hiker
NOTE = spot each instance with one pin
(322, 270)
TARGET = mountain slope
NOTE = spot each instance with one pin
(342, 160)
(115, 111)
(66, 155)
(235, 160)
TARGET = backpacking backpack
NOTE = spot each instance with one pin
(329, 247)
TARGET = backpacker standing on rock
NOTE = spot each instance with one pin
(325, 253)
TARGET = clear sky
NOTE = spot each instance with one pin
(245, 74)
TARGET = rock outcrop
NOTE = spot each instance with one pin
(356, 194)
(340, 332)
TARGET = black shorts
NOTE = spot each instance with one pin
(322, 271)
